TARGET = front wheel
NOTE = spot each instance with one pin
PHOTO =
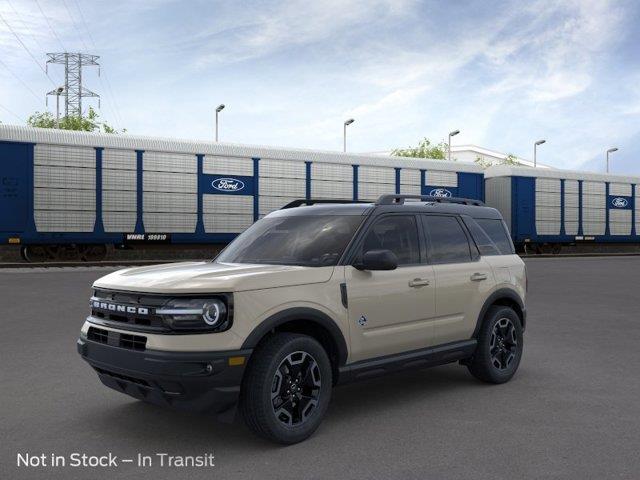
(287, 388)
(500, 346)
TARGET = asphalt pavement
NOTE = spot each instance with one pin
(572, 411)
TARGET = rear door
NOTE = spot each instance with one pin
(463, 278)
(13, 186)
(391, 311)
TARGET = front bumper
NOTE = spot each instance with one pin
(194, 381)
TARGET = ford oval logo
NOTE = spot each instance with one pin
(440, 192)
(228, 184)
(620, 202)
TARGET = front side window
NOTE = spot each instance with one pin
(396, 233)
(311, 241)
(446, 239)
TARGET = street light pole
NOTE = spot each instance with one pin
(452, 134)
(344, 133)
(611, 150)
(535, 152)
(59, 90)
(219, 108)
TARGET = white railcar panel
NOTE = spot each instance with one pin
(571, 186)
(410, 176)
(268, 204)
(571, 228)
(119, 159)
(594, 188)
(119, 201)
(410, 189)
(120, 222)
(332, 171)
(547, 213)
(369, 174)
(283, 187)
(571, 200)
(551, 185)
(170, 202)
(169, 182)
(571, 214)
(620, 221)
(548, 227)
(593, 228)
(550, 199)
(64, 199)
(331, 189)
(119, 180)
(230, 223)
(169, 162)
(64, 156)
(64, 177)
(441, 178)
(594, 201)
(594, 215)
(623, 189)
(169, 222)
(64, 221)
(371, 191)
(227, 165)
(232, 204)
(282, 169)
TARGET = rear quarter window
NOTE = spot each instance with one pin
(497, 232)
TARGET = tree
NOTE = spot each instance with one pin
(424, 150)
(88, 123)
(510, 159)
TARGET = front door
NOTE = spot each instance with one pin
(391, 311)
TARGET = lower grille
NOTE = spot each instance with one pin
(116, 339)
(119, 376)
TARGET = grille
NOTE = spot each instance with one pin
(116, 339)
(134, 319)
(98, 335)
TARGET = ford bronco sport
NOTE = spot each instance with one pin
(314, 294)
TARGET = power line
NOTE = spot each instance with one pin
(73, 22)
(20, 80)
(27, 49)
(50, 26)
(12, 113)
(110, 96)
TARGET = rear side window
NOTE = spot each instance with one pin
(497, 232)
(446, 240)
(396, 233)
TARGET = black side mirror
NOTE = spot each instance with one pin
(378, 260)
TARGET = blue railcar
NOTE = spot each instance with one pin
(548, 208)
(82, 191)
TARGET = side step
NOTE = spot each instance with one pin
(425, 357)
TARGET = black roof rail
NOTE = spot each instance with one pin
(315, 201)
(399, 199)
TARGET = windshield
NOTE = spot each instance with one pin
(311, 241)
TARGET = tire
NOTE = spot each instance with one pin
(295, 409)
(500, 346)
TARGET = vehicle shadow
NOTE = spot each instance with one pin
(149, 425)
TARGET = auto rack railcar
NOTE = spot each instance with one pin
(78, 192)
(548, 208)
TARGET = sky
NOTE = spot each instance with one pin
(505, 73)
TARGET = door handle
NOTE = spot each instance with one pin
(477, 277)
(418, 282)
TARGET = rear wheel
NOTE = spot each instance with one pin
(287, 388)
(500, 346)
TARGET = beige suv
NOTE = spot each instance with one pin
(314, 294)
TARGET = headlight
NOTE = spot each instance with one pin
(201, 314)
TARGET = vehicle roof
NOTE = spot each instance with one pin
(411, 207)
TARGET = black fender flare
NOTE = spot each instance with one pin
(300, 313)
(495, 297)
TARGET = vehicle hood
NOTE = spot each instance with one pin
(208, 277)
